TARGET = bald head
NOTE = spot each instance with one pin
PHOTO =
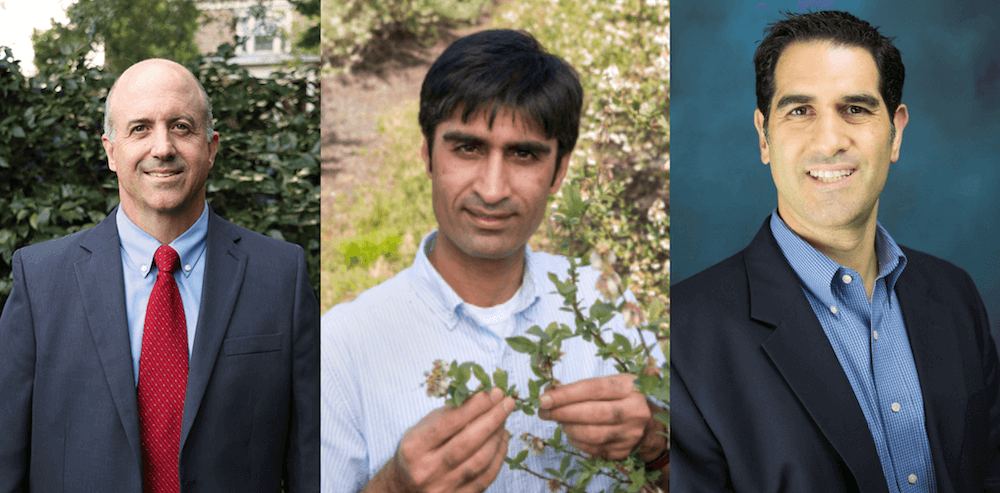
(141, 75)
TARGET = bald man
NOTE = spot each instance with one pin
(165, 349)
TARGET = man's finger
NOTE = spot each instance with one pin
(484, 481)
(442, 424)
(590, 412)
(608, 388)
(475, 434)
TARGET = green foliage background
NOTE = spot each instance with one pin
(129, 30)
(54, 178)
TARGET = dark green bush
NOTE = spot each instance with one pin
(54, 177)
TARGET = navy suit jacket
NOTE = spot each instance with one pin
(68, 409)
(760, 403)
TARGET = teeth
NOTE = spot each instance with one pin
(830, 176)
(161, 175)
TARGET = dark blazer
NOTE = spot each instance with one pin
(761, 404)
(68, 410)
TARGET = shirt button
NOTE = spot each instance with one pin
(187, 267)
(847, 279)
(875, 334)
(833, 309)
(895, 408)
(912, 478)
(145, 268)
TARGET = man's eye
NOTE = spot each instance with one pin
(523, 154)
(138, 128)
(857, 110)
(467, 148)
(800, 111)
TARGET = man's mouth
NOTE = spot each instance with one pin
(827, 176)
(163, 174)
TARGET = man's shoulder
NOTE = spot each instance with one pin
(725, 282)
(57, 250)
(373, 305)
(254, 243)
(938, 275)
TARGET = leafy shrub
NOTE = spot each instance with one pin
(54, 178)
(351, 26)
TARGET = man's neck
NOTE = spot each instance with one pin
(851, 246)
(164, 227)
(478, 281)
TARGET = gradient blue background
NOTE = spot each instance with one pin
(942, 196)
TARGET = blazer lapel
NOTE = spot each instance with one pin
(939, 365)
(101, 284)
(803, 355)
(224, 269)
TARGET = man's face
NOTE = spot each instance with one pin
(160, 153)
(829, 141)
(490, 185)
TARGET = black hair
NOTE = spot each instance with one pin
(503, 69)
(841, 28)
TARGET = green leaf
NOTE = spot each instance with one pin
(557, 436)
(500, 379)
(521, 344)
(519, 458)
(481, 376)
(566, 460)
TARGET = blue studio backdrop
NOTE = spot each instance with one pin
(942, 196)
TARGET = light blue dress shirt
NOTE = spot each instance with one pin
(871, 344)
(375, 350)
(137, 248)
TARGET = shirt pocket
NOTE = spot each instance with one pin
(252, 344)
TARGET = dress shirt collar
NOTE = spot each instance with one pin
(819, 273)
(442, 299)
(140, 245)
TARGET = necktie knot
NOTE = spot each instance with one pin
(166, 259)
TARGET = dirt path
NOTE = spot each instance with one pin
(390, 76)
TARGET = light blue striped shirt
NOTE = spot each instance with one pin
(375, 350)
(871, 344)
(137, 248)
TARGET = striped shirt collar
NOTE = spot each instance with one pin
(440, 296)
(818, 272)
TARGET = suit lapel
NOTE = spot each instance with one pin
(224, 269)
(101, 284)
(939, 365)
(800, 350)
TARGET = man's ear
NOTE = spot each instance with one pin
(765, 149)
(109, 149)
(560, 174)
(213, 148)
(900, 119)
(426, 155)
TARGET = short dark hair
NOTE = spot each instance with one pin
(842, 29)
(503, 69)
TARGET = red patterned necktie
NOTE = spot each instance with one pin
(163, 371)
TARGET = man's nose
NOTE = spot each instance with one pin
(163, 145)
(830, 135)
(493, 184)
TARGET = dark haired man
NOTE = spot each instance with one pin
(500, 118)
(824, 357)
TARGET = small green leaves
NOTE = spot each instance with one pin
(500, 379)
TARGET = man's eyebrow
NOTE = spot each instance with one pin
(862, 99)
(458, 136)
(136, 121)
(792, 99)
(532, 146)
(525, 145)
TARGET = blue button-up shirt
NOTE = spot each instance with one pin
(137, 248)
(376, 349)
(871, 344)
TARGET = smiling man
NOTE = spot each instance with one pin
(165, 349)
(825, 357)
(500, 119)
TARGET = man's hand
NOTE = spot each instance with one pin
(605, 416)
(450, 450)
